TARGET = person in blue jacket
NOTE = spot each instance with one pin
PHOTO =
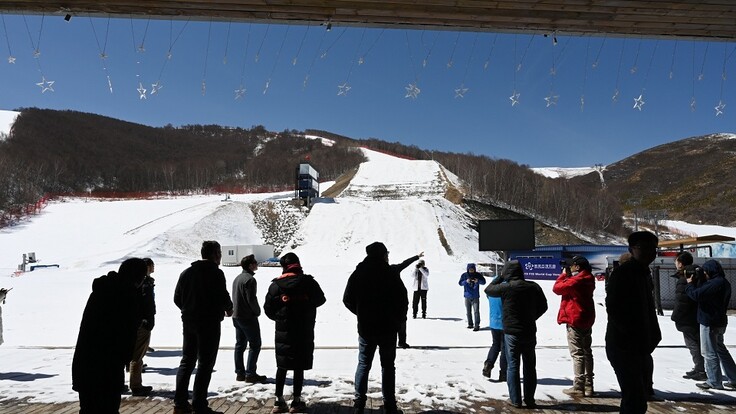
(497, 346)
(471, 281)
(713, 297)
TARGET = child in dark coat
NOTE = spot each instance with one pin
(292, 302)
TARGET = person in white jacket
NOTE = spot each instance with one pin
(420, 286)
(3, 293)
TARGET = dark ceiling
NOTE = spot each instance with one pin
(693, 19)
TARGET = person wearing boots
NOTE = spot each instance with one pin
(577, 311)
(143, 336)
(420, 286)
(685, 316)
(245, 320)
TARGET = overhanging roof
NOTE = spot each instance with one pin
(690, 241)
(698, 19)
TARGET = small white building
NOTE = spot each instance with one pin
(232, 255)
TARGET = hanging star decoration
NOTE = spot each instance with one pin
(639, 102)
(343, 89)
(293, 61)
(614, 98)
(224, 60)
(582, 102)
(449, 64)
(239, 92)
(103, 55)
(514, 98)
(204, 88)
(169, 55)
(460, 91)
(633, 69)
(552, 71)
(701, 76)
(719, 108)
(551, 99)
(109, 83)
(36, 53)
(412, 91)
(268, 84)
(141, 91)
(11, 60)
(155, 87)
(594, 65)
(361, 60)
(141, 48)
(46, 85)
(692, 104)
(424, 63)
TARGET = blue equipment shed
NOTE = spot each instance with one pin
(543, 262)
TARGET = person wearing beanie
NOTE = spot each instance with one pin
(713, 296)
(245, 320)
(378, 297)
(471, 281)
(577, 311)
(292, 301)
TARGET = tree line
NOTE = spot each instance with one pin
(69, 152)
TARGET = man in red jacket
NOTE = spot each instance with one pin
(577, 311)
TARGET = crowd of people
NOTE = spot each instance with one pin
(120, 313)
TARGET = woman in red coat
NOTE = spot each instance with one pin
(577, 311)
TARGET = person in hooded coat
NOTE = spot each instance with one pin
(376, 294)
(577, 311)
(713, 297)
(292, 301)
(523, 302)
(106, 338)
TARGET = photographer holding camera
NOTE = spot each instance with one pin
(685, 312)
(577, 311)
(471, 281)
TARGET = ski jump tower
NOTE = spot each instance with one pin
(307, 184)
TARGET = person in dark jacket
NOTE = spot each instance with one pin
(633, 332)
(523, 303)
(106, 338)
(292, 301)
(201, 294)
(685, 315)
(713, 297)
(577, 311)
(378, 297)
(471, 281)
(143, 336)
(245, 320)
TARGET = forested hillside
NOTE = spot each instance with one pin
(64, 152)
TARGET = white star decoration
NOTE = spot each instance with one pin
(639, 102)
(169, 55)
(692, 104)
(11, 60)
(268, 84)
(719, 108)
(141, 91)
(412, 91)
(155, 87)
(103, 56)
(361, 60)
(461, 91)
(36, 53)
(633, 69)
(204, 88)
(109, 83)
(582, 103)
(551, 99)
(240, 92)
(343, 89)
(514, 98)
(45, 85)
(614, 98)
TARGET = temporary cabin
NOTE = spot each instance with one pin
(232, 255)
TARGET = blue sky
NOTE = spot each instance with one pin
(482, 121)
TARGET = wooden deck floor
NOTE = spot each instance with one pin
(605, 403)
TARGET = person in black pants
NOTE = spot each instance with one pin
(204, 301)
(421, 286)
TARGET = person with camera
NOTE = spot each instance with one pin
(713, 296)
(471, 281)
(577, 311)
(685, 313)
(633, 333)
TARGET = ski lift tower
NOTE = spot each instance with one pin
(307, 183)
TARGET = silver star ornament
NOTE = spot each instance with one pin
(412, 91)
(45, 85)
(639, 102)
(551, 100)
(514, 98)
(460, 91)
(343, 89)
(11, 60)
(719, 108)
